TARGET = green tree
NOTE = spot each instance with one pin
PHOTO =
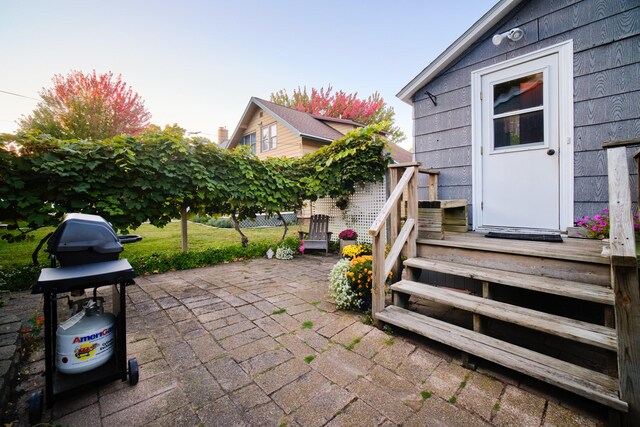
(83, 106)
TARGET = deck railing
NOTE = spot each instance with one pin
(402, 240)
(624, 276)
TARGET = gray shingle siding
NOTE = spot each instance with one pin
(606, 41)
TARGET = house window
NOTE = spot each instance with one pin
(249, 140)
(268, 137)
(518, 111)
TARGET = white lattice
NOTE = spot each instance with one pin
(364, 206)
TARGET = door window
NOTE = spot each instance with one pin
(518, 112)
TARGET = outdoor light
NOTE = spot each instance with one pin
(513, 34)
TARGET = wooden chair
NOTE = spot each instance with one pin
(319, 235)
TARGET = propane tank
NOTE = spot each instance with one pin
(85, 341)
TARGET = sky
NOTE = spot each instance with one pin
(197, 63)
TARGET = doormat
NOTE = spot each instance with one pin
(554, 238)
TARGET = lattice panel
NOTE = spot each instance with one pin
(262, 220)
(364, 207)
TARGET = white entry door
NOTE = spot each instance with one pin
(519, 145)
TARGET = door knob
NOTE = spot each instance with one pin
(551, 152)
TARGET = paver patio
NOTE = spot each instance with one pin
(258, 343)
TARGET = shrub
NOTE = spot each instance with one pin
(220, 222)
(284, 253)
(359, 278)
(18, 278)
(339, 287)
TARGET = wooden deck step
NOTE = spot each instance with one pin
(583, 250)
(585, 382)
(567, 288)
(584, 332)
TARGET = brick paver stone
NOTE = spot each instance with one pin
(222, 413)
(392, 355)
(295, 394)
(247, 351)
(445, 380)
(480, 394)
(199, 386)
(295, 345)
(341, 366)
(384, 402)
(323, 406)
(146, 411)
(228, 373)
(184, 416)
(281, 375)
(419, 366)
(558, 416)
(354, 331)
(249, 397)
(436, 412)
(265, 361)
(358, 413)
(519, 408)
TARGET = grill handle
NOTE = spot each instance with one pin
(129, 238)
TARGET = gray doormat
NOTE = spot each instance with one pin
(554, 238)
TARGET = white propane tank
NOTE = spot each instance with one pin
(85, 341)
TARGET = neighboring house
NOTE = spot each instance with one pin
(272, 130)
(514, 113)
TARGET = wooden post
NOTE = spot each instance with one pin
(183, 221)
(394, 219)
(433, 186)
(412, 213)
(624, 277)
(378, 279)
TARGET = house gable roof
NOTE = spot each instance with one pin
(298, 122)
(446, 58)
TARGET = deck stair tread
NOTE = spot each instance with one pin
(576, 330)
(583, 250)
(585, 382)
(567, 288)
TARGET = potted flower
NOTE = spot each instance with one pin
(347, 237)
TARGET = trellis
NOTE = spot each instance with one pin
(359, 214)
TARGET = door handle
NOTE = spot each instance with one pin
(551, 152)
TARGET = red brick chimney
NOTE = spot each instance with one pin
(223, 134)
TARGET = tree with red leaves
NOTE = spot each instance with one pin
(341, 105)
(88, 106)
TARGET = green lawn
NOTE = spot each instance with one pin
(163, 240)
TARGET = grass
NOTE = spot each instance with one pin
(308, 324)
(353, 343)
(154, 240)
(279, 311)
(425, 394)
(309, 358)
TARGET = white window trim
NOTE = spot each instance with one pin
(565, 128)
(267, 128)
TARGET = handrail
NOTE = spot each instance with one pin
(405, 239)
(624, 279)
(390, 203)
(621, 231)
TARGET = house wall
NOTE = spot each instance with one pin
(309, 146)
(606, 42)
(288, 144)
(343, 128)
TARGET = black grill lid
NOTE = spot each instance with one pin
(83, 232)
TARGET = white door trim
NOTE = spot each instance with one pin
(565, 128)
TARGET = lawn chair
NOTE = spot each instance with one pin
(319, 235)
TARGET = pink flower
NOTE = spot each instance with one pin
(636, 225)
(597, 217)
(594, 228)
(603, 223)
(301, 249)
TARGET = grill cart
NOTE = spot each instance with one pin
(90, 347)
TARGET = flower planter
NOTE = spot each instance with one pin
(344, 243)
